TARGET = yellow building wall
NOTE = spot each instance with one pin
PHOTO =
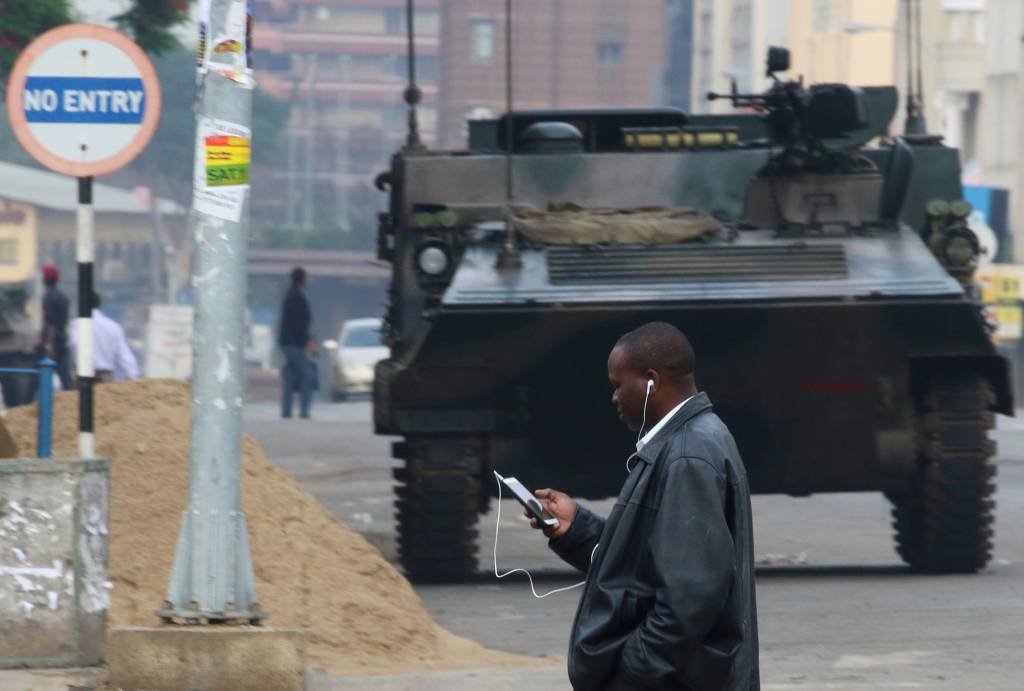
(17, 242)
(825, 50)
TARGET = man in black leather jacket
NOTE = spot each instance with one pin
(669, 598)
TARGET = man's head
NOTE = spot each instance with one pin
(299, 277)
(96, 300)
(51, 274)
(656, 352)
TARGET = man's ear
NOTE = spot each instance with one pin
(653, 376)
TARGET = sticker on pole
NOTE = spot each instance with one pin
(83, 100)
(227, 160)
(221, 168)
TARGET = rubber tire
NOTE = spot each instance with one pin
(943, 522)
(437, 497)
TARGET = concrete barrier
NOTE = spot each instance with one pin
(211, 658)
(54, 591)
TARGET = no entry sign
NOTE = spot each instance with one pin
(83, 100)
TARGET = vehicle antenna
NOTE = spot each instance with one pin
(915, 122)
(413, 94)
(509, 257)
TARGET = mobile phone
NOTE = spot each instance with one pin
(528, 500)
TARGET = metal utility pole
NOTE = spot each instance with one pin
(290, 213)
(156, 262)
(307, 196)
(212, 577)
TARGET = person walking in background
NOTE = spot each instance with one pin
(294, 338)
(112, 358)
(53, 341)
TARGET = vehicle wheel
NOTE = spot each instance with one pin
(944, 520)
(338, 396)
(436, 500)
(18, 389)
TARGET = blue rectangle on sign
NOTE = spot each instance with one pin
(85, 100)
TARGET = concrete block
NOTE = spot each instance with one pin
(207, 658)
(54, 592)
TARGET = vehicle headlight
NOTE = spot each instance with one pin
(432, 260)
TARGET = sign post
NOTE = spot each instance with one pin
(83, 100)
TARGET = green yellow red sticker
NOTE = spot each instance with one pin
(227, 160)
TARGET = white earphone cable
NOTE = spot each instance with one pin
(497, 525)
(640, 434)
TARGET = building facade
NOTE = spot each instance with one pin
(342, 65)
(678, 89)
(730, 42)
(1001, 145)
(565, 54)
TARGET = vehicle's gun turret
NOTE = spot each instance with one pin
(812, 125)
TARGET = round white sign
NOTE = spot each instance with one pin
(83, 100)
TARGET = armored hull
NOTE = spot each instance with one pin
(841, 352)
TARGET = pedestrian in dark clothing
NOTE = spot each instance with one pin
(53, 341)
(295, 340)
(669, 598)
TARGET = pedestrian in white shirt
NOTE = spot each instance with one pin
(113, 359)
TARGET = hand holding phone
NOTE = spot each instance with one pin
(531, 503)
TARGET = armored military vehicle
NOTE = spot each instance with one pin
(821, 268)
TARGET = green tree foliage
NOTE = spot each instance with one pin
(23, 20)
(152, 22)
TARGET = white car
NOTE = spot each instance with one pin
(353, 357)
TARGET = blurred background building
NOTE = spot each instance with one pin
(566, 54)
(342, 65)
(331, 74)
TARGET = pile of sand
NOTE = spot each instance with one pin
(312, 572)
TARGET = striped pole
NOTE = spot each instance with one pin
(84, 353)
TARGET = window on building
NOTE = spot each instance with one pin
(821, 16)
(272, 62)
(609, 53)
(394, 20)
(427, 68)
(481, 40)
(395, 116)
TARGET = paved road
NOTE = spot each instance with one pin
(837, 609)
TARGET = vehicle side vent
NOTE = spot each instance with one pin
(693, 264)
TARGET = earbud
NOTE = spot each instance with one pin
(643, 424)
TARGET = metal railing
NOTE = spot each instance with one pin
(44, 403)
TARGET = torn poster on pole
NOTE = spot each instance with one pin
(229, 53)
(218, 188)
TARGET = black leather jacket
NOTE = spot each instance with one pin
(669, 600)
